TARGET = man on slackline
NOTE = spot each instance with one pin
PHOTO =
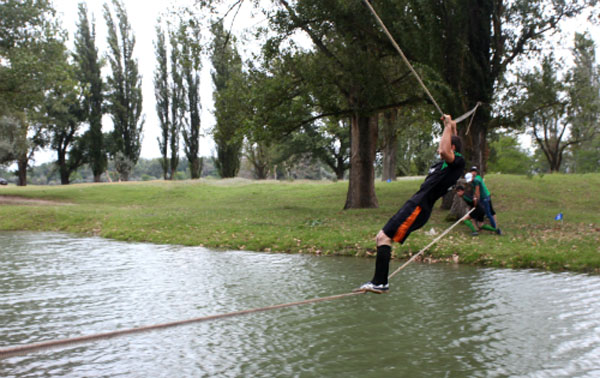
(416, 211)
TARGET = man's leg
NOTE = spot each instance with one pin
(488, 227)
(409, 218)
(471, 226)
(382, 261)
(488, 211)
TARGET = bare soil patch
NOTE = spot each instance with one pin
(14, 200)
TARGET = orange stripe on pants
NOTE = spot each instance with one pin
(403, 229)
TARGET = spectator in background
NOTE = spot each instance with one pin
(482, 195)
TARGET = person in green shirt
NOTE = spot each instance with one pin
(478, 213)
(482, 195)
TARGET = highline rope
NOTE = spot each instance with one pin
(28, 348)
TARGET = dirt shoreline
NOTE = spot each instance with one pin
(14, 200)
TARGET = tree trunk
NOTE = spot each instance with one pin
(459, 207)
(174, 163)
(98, 177)
(447, 200)
(64, 176)
(390, 145)
(475, 145)
(339, 170)
(62, 168)
(363, 143)
(164, 162)
(261, 172)
(22, 172)
(196, 168)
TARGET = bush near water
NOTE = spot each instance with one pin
(307, 217)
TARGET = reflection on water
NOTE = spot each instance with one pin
(437, 321)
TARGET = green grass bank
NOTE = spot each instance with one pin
(307, 217)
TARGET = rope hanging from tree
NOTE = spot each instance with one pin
(414, 72)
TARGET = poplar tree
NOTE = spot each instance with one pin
(177, 106)
(124, 91)
(88, 73)
(161, 91)
(190, 64)
(227, 67)
(584, 107)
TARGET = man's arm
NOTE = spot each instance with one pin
(445, 148)
(476, 195)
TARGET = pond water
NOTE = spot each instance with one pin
(437, 321)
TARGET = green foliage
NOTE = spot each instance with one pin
(189, 38)
(65, 113)
(416, 149)
(230, 87)
(471, 47)
(88, 73)
(30, 42)
(562, 114)
(586, 158)
(31, 45)
(125, 91)
(13, 137)
(584, 106)
(170, 93)
(543, 107)
(328, 141)
(506, 156)
(161, 91)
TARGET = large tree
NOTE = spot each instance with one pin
(461, 49)
(89, 66)
(125, 91)
(163, 97)
(350, 60)
(583, 111)
(543, 108)
(190, 62)
(177, 105)
(31, 44)
(561, 110)
(226, 74)
(472, 44)
(65, 113)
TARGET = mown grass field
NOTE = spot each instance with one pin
(307, 217)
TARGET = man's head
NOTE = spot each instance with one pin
(457, 143)
(474, 170)
(460, 190)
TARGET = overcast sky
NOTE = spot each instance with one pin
(143, 15)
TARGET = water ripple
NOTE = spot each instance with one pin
(439, 320)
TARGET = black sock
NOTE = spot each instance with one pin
(382, 265)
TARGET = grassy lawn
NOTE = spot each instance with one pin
(307, 217)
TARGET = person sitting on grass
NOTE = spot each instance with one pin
(416, 211)
(483, 195)
(477, 215)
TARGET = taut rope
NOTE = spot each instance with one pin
(430, 244)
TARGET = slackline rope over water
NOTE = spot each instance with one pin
(27, 348)
(414, 72)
